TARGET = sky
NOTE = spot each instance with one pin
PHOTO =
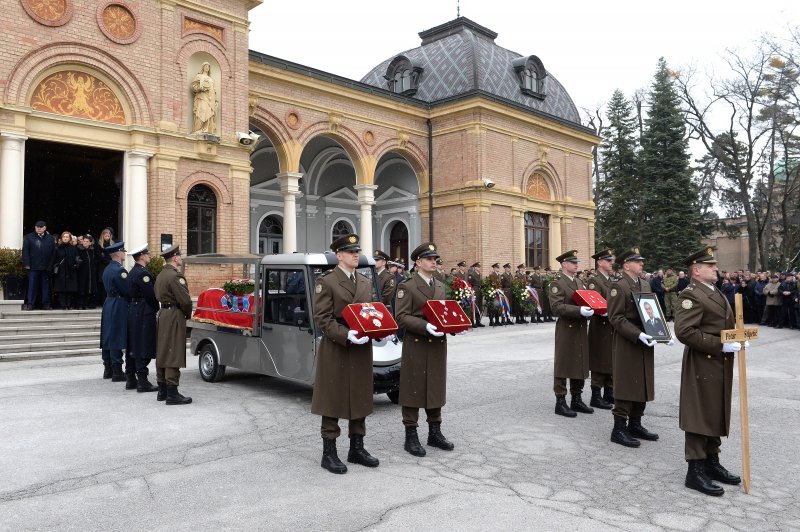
(592, 48)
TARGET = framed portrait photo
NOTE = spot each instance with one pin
(652, 317)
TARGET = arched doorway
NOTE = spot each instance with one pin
(398, 242)
(201, 223)
(537, 239)
(270, 235)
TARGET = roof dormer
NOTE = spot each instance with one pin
(403, 76)
(531, 75)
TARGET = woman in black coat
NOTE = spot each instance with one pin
(105, 240)
(65, 270)
(87, 273)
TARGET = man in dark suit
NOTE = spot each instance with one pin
(141, 320)
(38, 249)
(653, 325)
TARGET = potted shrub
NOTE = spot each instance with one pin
(12, 273)
(155, 266)
(239, 287)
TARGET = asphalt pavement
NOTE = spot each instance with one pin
(80, 453)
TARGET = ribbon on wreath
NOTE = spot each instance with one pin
(505, 308)
(468, 301)
(534, 294)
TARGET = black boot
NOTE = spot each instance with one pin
(106, 370)
(715, 471)
(562, 409)
(608, 394)
(579, 406)
(359, 455)
(597, 401)
(697, 479)
(330, 460)
(620, 434)
(638, 431)
(132, 383)
(508, 321)
(162, 392)
(491, 321)
(174, 398)
(437, 439)
(116, 373)
(412, 442)
(144, 385)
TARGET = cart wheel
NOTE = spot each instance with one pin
(210, 368)
(394, 396)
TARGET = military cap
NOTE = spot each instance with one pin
(346, 243)
(424, 251)
(462, 263)
(439, 261)
(401, 263)
(507, 265)
(476, 265)
(703, 256)
(495, 265)
(629, 255)
(113, 248)
(537, 268)
(380, 255)
(41, 223)
(521, 266)
(607, 254)
(569, 256)
(171, 252)
(138, 251)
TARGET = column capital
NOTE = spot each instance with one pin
(290, 183)
(139, 154)
(7, 135)
(366, 194)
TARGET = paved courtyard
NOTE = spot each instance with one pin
(80, 453)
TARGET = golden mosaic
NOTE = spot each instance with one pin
(119, 22)
(537, 188)
(78, 94)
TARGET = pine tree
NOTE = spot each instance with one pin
(671, 223)
(618, 187)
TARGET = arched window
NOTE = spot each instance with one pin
(201, 223)
(270, 235)
(402, 76)
(531, 73)
(537, 239)
(341, 228)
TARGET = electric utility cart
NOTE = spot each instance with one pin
(272, 332)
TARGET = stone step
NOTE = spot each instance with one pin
(53, 353)
(51, 337)
(36, 327)
(53, 321)
(37, 314)
(32, 347)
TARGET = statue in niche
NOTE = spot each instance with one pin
(205, 101)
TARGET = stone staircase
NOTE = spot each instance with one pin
(38, 334)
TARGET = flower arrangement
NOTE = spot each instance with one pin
(522, 295)
(239, 287)
(462, 292)
(489, 288)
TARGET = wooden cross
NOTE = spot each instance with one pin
(741, 334)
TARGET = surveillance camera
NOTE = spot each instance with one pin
(254, 136)
(244, 138)
(488, 183)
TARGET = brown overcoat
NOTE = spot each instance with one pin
(600, 329)
(423, 371)
(171, 289)
(572, 344)
(343, 382)
(633, 362)
(706, 372)
(386, 287)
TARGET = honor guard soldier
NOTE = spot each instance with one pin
(493, 307)
(423, 371)
(142, 317)
(537, 282)
(474, 279)
(176, 307)
(440, 274)
(706, 373)
(520, 275)
(572, 345)
(343, 382)
(462, 269)
(600, 331)
(114, 319)
(386, 285)
(506, 283)
(632, 353)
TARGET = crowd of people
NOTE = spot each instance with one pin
(66, 270)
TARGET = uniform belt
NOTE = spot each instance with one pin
(169, 305)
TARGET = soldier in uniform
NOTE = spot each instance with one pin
(506, 280)
(493, 306)
(114, 319)
(572, 344)
(474, 279)
(142, 318)
(670, 284)
(176, 307)
(519, 313)
(423, 371)
(386, 284)
(440, 274)
(343, 379)
(462, 269)
(537, 282)
(600, 334)
(706, 373)
(632, 353)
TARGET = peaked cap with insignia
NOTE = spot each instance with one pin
(346, 243)
(424, 251)
(113, 248)
(604, 254)
(703, 256)
(569, 256)
(171, 252)
(629, 255)
(380, 255)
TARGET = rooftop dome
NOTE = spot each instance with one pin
(461, 57)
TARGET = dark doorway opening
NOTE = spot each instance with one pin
(72, 188)
(398, 242)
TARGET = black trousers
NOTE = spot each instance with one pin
(699, 446)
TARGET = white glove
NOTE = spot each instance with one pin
(747, 344)
(647, 340)
(731, 347)
(671, 342)
(354, 339)
(587, 312)
(431, 328)
(380, 342)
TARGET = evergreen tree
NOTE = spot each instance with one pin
(618, 187)
(671, 223)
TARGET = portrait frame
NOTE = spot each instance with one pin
(659, 329)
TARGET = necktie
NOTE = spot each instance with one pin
(431, 283)
(353, 277)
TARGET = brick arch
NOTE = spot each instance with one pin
(202, 43)
(203, 178)
(344, 136)
(30, 68)
(412, 154)
(276, 132)
(548, 172)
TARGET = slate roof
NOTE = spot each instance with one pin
(461, 56)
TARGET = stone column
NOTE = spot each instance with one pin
(134, 201)
(290, 189)
(12, 189)
(366, 199)
(555, 241)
